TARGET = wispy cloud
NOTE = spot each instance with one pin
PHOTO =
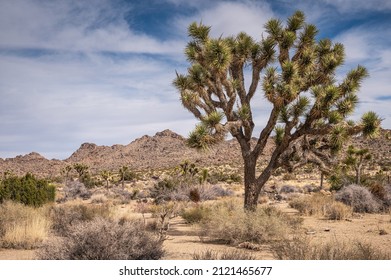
(360, 5)
(230, 18)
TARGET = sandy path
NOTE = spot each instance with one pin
(183, 242)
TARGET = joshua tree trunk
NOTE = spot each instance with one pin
(250, 185)
(358, 175)
(321, 180)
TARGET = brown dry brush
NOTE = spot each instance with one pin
(224, 255)
(104, 239)
(231, 224)
(301, 248)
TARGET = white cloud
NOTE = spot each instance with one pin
(74, 26)
(360, 5)
(230, 18)
(369, 46)
(97, 99)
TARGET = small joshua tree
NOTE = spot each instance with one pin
(81, 169)
(106, 175)
(67, 169)
(297, 75)
(355, 158)
(122, 173)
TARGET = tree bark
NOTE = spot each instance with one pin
(250, 184)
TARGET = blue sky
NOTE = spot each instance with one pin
(100, 71)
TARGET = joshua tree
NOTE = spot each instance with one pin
(355, 158)
(81, 169)
(106, 175)
(297, 75)
(122, 173)
(67, 169)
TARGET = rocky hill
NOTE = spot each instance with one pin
(165, 149)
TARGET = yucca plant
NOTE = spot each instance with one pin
(297, 75)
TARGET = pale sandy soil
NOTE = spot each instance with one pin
(183, 242)
(12, 254)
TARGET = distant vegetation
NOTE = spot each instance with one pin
(27, 190)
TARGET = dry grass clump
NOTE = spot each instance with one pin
(290, 189)
(99, 198)
(22, 227)
(359, 198)
(195, 214)
(321, 205)
(65, 216)
(228, 222)
(104, 239)
(301, 248)
(225, 255)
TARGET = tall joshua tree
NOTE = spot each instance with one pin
(296, 74)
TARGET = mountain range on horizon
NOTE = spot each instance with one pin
(166, 149)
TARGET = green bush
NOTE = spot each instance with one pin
(27, 190)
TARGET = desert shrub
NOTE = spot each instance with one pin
(130, 175)
(377, 189)
(195, 214)
(321, 205)
(359, 198)
(194, 195)
(99, 198)
(174, 190)
(64, 217)
(89, 181)
(27, 190)
(74, 190)
(163, 190)
(301, 248)
(104, 239)
(163, 213)
(289, 176)
(21, 226)
(289, 189)
(123, 195)
(381, 192)
(310, 188)
(338, 211)
(225, 255)
(231, 224)
(387, 196)
(212, 192)
(224, 176)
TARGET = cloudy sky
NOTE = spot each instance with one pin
(75, 71)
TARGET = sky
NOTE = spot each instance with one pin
(101, 71)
